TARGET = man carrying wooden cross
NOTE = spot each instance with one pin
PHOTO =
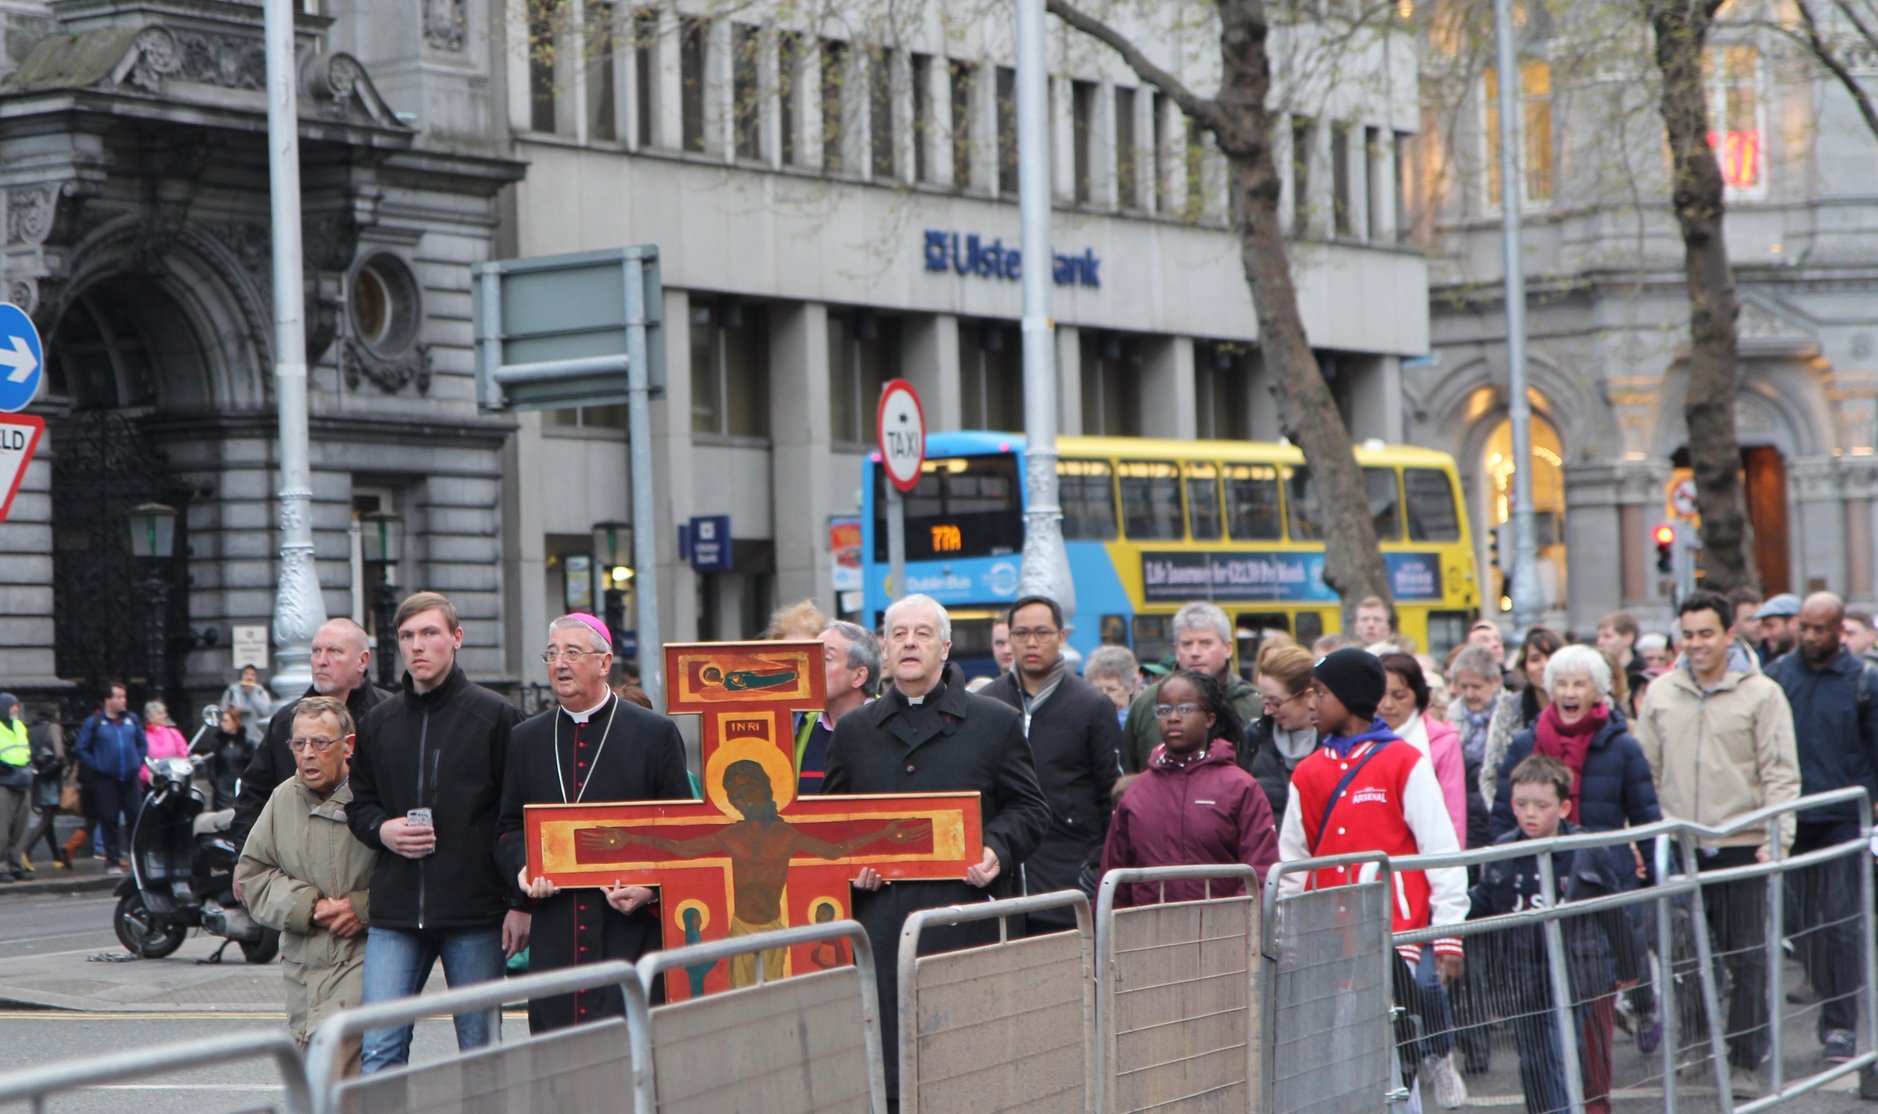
(926, 734)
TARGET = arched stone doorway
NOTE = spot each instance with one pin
(1493, 498)
(112, 355)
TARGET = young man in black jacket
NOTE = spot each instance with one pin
(426, 792)
(1075, 742)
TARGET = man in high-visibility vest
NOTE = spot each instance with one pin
(16, 780)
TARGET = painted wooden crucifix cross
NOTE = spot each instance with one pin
(752, 856)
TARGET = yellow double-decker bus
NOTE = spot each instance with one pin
(1151, 524)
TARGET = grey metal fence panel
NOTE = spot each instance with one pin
(604, 1062)
(790, 1046)
(1179, 1003)
(1007, 1026)
(582, 1070)
(36, 1085)
(1329, 1046)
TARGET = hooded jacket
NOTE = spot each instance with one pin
(1616, 789)
(1720, 753)
(1206, 810)
(444, 750)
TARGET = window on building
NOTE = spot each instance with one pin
(1196, 171)
(834, 88)
(544, 47)
(1158, 127)
(919, 68)
(746, 92)
(1127, 158)
(863, 353)
(1373, 150)
(1007, 131)
(611, 417)
(1732, 73)
(1112, 371)
(602, 64)
(1301, 135)
(963, 76)
(991, 375)
(880, 115)
(788, 89)
(1409, 203)
(729, 368)
(1086, 491)
(646, 76)
(1221, 372)
(693, 44)
(1535, 132)
(1342, 198)
(1082, 102)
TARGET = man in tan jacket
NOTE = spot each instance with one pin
(305, 874)
(1719, 739)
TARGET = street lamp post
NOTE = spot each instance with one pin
(382, 539)
(613, 545)
(1525, 593)
(153, 544)
(298, 607)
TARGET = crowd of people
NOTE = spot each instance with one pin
(382, 831)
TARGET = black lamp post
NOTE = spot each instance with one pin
(613, 548)
(153, 544)
(382, 538)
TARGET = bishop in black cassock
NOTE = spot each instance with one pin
(591, 748)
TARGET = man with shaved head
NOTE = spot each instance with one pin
(342, 658)
(1836, 733)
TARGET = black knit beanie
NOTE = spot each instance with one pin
(1354, 676)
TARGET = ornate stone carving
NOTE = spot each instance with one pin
(229, 61)
(359, 363)
(156, 58)
(445, 25)
(31, 211)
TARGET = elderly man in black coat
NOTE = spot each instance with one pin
(926, 734)
(1075, 743)
(592, 746)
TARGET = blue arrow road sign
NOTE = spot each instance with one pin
(22, 359)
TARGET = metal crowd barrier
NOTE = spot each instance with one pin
(1005, 1026)
(36, 1085)
(1327, 1002)
(790, 1046)
(1178, 1013)
(1546, 974)
(585, 1069)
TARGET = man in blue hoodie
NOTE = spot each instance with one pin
(111, 746)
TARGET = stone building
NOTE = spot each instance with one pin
(133, 175)
(1608, 311)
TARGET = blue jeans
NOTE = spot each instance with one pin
(397, 964)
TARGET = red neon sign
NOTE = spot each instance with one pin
(1739, 152)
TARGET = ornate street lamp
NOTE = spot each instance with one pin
(381, 537)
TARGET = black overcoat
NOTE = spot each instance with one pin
(1075, 741)
(955, 741)
(643, 760)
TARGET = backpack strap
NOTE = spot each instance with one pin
(1336, 794)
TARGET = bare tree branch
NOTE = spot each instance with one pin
(1204, 110)
(1864, 28)
(1824, 52)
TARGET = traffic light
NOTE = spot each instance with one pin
(1665, 537)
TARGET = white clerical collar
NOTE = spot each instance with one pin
(583, 717)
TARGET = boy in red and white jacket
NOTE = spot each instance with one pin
(1365, 789)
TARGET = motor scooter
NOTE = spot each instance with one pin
(182, 872)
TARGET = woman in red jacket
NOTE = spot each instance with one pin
(1192, 805)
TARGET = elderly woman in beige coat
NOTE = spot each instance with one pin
(305, 874)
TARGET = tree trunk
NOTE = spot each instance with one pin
(1353, 564)
(1681, 29)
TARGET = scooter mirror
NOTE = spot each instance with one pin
(211, 715)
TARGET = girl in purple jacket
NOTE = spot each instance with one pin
(1192, 805)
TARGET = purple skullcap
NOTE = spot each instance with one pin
(593, 622)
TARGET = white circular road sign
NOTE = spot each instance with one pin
(902, 426)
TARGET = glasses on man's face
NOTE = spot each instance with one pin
(1162, 711)
(1033, 634)
(317, 745)
(570, 655)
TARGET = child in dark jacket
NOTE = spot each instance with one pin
(1192, 805)
(1602, 955)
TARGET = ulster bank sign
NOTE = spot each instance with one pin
(969, 254)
